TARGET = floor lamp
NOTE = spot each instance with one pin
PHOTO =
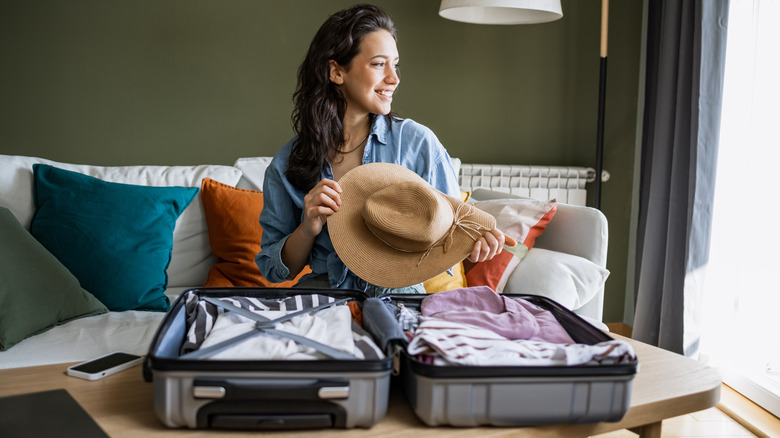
(528, 12)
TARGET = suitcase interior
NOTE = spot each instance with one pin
(472, 396)
(262, 394)
(283, 394)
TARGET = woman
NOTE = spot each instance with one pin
(343, 119)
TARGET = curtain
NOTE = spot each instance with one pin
(686, 43)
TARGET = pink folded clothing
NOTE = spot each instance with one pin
(440, 342)
(480, 306)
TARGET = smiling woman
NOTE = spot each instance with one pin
(348, 63)
(343, 119)
(368, 82)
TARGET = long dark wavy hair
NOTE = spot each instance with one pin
(319, 104)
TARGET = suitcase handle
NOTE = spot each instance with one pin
(237, 388)
(272, 422)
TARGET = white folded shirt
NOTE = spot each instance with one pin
(331, 326)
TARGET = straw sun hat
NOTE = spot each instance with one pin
(393, 229)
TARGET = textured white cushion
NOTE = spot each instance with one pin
(191, 257)
(570, 280)
(253, 172)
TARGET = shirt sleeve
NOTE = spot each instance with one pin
(278, 220)
(443, 176)
(438, 168)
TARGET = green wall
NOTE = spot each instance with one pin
(195, 81)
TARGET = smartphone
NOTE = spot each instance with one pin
(104, 366)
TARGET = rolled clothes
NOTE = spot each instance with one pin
(379, 321)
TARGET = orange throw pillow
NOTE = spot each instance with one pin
(493, 273)
(524, 219)
(233, 220)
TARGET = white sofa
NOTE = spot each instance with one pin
(572, 250)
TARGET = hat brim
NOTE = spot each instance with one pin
(370, 258)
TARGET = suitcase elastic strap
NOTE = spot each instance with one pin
(266, 325)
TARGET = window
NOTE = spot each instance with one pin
(741, 313)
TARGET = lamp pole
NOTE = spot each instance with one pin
(602, 102)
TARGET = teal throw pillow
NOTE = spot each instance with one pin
(36, 291)
(115, 238)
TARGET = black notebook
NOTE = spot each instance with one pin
(44, 414)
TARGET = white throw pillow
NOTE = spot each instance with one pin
(191, 256)
(570, 280)
(253, 172)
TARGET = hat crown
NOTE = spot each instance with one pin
(408, 216)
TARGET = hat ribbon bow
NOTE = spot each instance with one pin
(460, 221)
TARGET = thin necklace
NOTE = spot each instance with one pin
(356, 147)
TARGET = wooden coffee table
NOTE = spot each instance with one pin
(667, 385)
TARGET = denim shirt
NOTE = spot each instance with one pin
(403, 142)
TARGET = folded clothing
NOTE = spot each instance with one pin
(454, 343)
(209, 325)
(478, 327)
(511, 318)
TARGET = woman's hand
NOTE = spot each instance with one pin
(321, 201)
(490, 244)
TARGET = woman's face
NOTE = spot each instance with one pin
(370, 80)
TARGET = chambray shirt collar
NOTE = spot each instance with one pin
(379, 129)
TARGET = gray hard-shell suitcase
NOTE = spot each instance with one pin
(520, 395)
(354, 393)
(263, 394)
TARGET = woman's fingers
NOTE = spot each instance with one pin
(495, 243)
(322, 201)
(474, 256)
(490, 244)
(509, 240)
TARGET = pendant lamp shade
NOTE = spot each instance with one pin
(501, 11)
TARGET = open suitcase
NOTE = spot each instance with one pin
(347, 392)
(520, 395)
(262, 394)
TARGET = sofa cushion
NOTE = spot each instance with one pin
(570, 280)
(115, 238)
(493, 273)
(36, 291)
(524, 219)
(252, 172)
(445, 281)
(233, 218)
(191, 258)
